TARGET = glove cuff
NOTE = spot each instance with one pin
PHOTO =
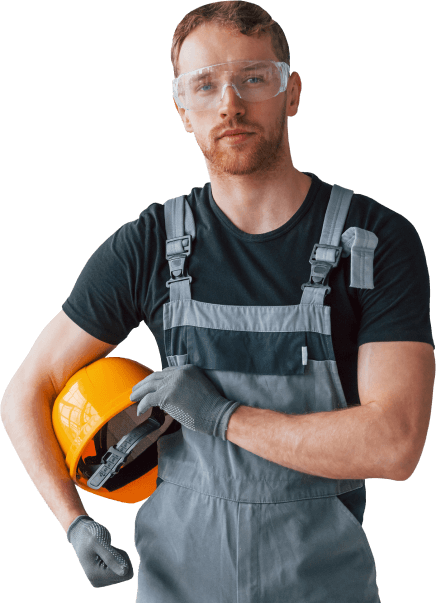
(223, 421)
(74, 523)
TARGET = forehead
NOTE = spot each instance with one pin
(210, 44)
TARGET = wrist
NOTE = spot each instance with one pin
(74, 523)
(223, 421)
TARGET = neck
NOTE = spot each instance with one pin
(257, 207)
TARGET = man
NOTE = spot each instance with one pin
(261, 491)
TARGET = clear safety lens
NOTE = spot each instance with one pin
(253, 81)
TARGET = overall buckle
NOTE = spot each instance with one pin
(320, 269)
(177, 250)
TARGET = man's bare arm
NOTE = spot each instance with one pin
(382, 438)
(60, 351)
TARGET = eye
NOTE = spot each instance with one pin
(254, 77)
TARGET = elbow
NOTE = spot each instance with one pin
(400, 475)
(404, 460)
(405, 471)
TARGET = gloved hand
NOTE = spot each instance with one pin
(187, 395)
(103, 564)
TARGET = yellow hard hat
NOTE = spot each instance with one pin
(109, 450)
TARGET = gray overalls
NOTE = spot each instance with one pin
(225, 525)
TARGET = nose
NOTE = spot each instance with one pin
(231, 102)
(232, 86)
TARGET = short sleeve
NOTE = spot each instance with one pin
(398, 307)
(107, 298)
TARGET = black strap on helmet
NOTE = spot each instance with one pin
(109, 463)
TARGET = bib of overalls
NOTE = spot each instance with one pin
(226, 524)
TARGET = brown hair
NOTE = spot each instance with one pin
(247, 18)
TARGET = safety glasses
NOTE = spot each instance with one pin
(253, 81)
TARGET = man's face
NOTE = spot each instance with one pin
(210, 44)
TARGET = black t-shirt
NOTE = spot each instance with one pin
(124, 281)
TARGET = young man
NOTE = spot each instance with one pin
(261, 492)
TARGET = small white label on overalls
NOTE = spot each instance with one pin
(304, 354)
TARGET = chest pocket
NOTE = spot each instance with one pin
(360, 244)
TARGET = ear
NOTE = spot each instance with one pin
(183, 117)
(293, 92)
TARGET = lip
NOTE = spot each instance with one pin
(236, 139)
(234, 132)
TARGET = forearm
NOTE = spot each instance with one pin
(353, 443)
(26, 415)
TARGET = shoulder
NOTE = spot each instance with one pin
(387, 224)
(151, 219)
(140, 234)
(398, 241)
(146, 234)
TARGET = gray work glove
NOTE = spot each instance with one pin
(187, 395)
(103, 564)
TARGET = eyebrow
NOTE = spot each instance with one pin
(200, 77)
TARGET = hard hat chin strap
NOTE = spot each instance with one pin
(115, 457)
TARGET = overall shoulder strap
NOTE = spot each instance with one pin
(326, 254)
(180, 231)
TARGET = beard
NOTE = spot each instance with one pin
(261, 155)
